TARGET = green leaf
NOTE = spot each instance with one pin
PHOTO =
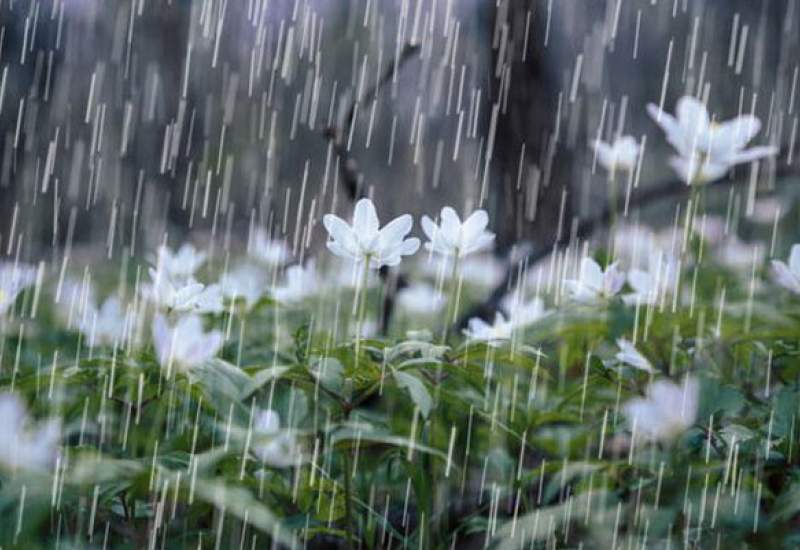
(240, 503)
(542, 523)
(416, 387)
(261, 378)
(330, 373)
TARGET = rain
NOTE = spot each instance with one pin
(424, 274)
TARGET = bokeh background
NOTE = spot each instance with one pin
(126, 123)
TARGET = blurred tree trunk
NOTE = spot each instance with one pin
(533, 157)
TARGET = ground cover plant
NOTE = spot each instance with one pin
(640, 394)
(415, 274)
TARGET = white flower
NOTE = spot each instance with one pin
(788, 275)
(23, 446)
(478, 329)
(629, 355)
(273, 446)
(365, 240)
(420, 299)
(666, 412)
(710, 228)
(483, 270)
(182, 264)
(454, 238)
(524, 314)
(183, 296)
(738, 255)
(184, 344)
(110, 324)
(620, 155)
(271, 252)
(345, 274)
(768, 209)
(14, 278)
(651, 285)
(210, 300)
(593, 284)
(301, 282)
(706, 149)
(245, 282)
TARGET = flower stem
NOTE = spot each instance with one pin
(452, 300)
(361, 300)
(348, 491)
(612, 199)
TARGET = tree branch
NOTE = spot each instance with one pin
(643, 198)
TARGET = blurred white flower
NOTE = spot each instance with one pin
(666, 412)
(182, 264)
(183, 295)
(345, 274)
(706, 149)
(184, 344)
(104, 326)
(245, 282)
(593, 284)
(478, 329)
(768, 209)
(634, 243)
(14, 278)
(365, 240)
(523, 314)
(301, 282)
(23, 446)
(710, 228)
(483, 270)
(622, 154)
(454, 238)
(738, 255)
(788, 275)
(650, 285)
(629, 355)
(420, 299)
(271, 252)
(210, 300)
(169, 294)
(275, 447)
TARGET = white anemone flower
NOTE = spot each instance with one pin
(183, 296)
(275, 447)
(738, 255)
(364, 240)
(788, 274)
(420, 299)
(629, 355)
(245, 282)
(184, 344)
(14, 278)
(523, 314)
(707, 150)
(180, 265)
(22, 445)
(622, 154)
(455, 238)
(480, 330)
(268, 251)
(106, 325)
(665, 412)
(651, 285)
(594, 284)
(301, 282)
(768, 210)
